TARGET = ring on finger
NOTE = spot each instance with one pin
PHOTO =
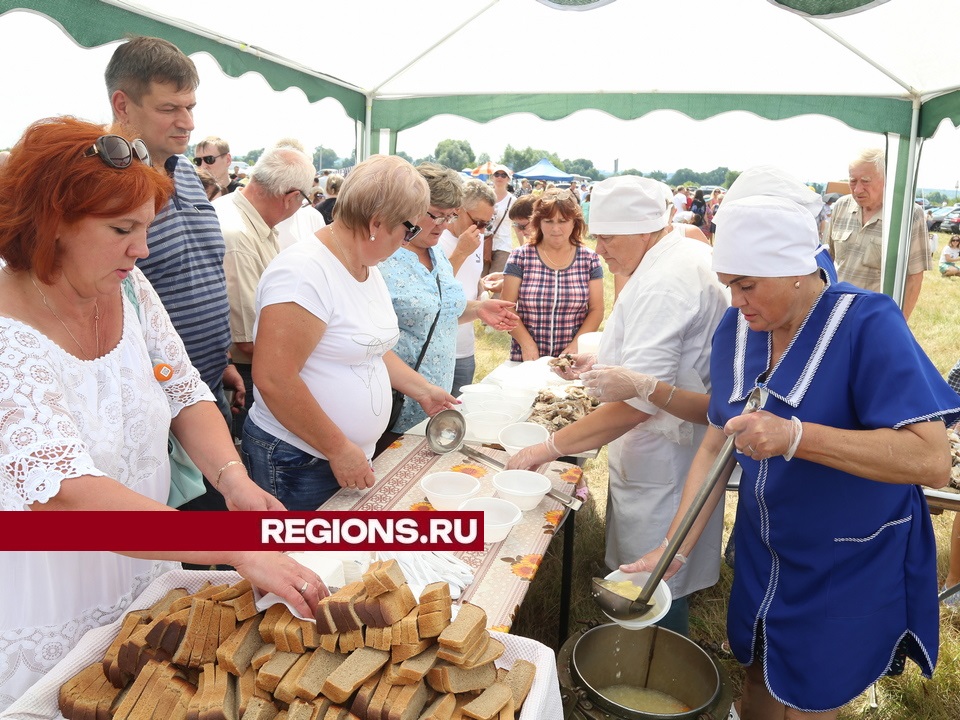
(750, 449)
(303, 588)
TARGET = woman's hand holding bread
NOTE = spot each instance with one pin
(283, 576)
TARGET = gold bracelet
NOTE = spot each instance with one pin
(220, 471)
(673, 389)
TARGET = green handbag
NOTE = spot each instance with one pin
(186, 480)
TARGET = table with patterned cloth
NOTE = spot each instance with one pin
(503, 570)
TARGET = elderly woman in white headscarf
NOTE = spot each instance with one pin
(835, 582)
(660, 327)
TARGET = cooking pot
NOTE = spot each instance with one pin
(652, 658)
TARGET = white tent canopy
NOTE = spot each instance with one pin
(394, 65)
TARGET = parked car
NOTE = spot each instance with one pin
(951, 222)
(923, 202)
(937, 216)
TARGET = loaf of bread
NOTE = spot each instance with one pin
(207, 657)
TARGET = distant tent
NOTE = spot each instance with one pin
(544, 170)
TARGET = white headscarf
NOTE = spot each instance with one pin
(765, 236)
(628, 205)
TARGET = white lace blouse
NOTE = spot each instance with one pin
(62, 417)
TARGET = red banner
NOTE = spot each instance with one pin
(166, 531)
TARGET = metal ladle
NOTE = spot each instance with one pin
(446, 432)
(623, 608)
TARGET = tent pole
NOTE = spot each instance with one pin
(900, 225)
(367, 125)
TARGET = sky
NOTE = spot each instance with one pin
(46, 73)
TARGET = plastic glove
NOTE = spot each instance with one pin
(582, 363)
(609, 383)
(531, 458)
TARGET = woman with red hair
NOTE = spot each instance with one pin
(85, 420)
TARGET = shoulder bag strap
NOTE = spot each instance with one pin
(423, 350)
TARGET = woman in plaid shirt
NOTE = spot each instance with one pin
(556, 282)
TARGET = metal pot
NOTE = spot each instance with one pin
(652, 658)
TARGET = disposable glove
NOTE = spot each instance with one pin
(609, 383)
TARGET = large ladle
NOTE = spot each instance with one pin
(446, 432)
(623, 608)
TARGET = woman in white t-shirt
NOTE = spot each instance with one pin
(324, 332)
(949, 257)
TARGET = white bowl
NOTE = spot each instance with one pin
(519, 394)
(523, 488)
(498, 516)
(516, 437)
(514, 410)
(662, 598)
(485, 425)
(446, 490)
(473, 396)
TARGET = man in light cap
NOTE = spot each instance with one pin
(660, 328)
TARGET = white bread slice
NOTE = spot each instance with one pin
(490, 702)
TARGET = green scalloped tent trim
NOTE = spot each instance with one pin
(822, 8)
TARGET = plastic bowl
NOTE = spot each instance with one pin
(473, 396)
(519, 394)
(516, 437)
(498, 516)
(523, 488)
(499, 405)
(485, 425)
(662, 598)
(446, 490)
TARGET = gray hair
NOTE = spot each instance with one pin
(282, 169)
(475, 191)
(872, 156)
(446, 189)
(290, 142)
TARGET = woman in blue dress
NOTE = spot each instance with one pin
(835, 582)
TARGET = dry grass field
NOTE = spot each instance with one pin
(936, 324)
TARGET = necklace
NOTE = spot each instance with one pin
(96, 321)
(553, 264)
(366, 270)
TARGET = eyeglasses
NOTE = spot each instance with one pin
(443, 219)
(306, 198)
(118, 152)
(208, 159)
(412, 231)
(481, 224)
(500, 174)
(521, 226)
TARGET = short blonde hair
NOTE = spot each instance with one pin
(382, 186)
(446, 187)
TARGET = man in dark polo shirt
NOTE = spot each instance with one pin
(152, 88)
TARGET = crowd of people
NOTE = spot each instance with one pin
(301, 317)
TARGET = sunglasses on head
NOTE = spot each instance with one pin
(118, 152)
(412, 231)
(208, 159)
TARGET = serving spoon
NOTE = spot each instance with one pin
(623, 608)
(445, 433)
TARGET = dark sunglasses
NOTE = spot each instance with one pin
(117, 152)
(412, 231)
(521, 226)
(500, 174)
(208, 159)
